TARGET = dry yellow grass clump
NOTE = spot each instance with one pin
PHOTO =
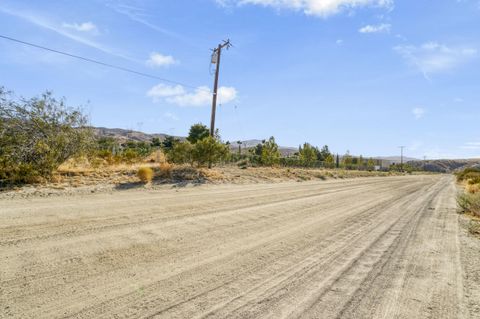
(145, 174)
(473, 188)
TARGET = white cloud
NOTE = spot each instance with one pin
(160, 91)
(339, 42)
(82, 27)
(201, 96)
(321, 8)
(433, 57)
(379, 28)
(418, 112)
(158, 59)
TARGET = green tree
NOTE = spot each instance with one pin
(197, 133)
(323, 153)
(307, 154)
(37, 135)
(329, 161)
(155, 142)
(270, 153)
(169, 142)
(209, 151)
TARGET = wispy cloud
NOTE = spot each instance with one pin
(433, 57)
(201, 96)
(320, 8)
(159, 60)
(81, 27)
(378, 28)
(51, 26)
(138, 14)
(418, 112)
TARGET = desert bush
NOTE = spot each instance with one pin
(145, 174)
(130, 156)
(37, 135)
(181, 153)
(209, 151)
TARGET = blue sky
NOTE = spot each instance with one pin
(360, 75)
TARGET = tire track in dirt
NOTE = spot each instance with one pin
(334, 249)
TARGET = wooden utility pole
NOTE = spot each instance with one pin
(216, 60)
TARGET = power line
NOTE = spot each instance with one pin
(102, 63)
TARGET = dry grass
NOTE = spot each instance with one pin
(472, 188)
(165, 170)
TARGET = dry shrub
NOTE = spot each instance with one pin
(145, 174)
(211, 174)
(165, 170)
(156, 157)
(473, 188)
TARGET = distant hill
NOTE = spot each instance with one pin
(123, 135)
(445, 166)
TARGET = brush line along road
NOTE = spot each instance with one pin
(359, 248)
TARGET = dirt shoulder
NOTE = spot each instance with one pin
(470, 256)
(74, 181)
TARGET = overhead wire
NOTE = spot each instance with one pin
(139, 73)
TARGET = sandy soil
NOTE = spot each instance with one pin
(363, 248)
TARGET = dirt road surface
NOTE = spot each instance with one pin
(360, 248)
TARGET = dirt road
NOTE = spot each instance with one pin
(363, 248)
